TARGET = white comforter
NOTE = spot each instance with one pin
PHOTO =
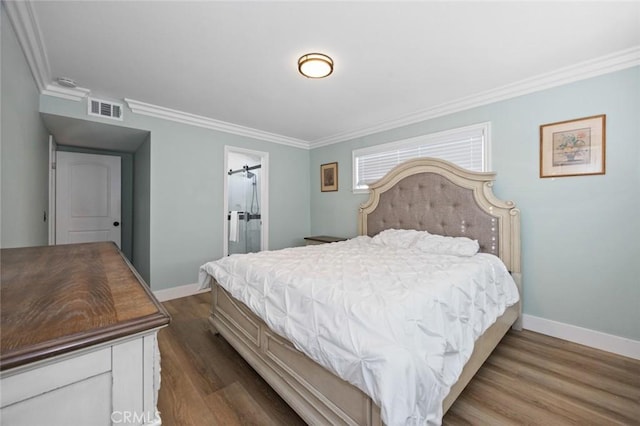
(397, 323)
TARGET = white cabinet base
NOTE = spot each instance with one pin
(112, 383)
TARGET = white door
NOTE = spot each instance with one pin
(87, 198)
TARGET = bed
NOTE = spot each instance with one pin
(421, 195)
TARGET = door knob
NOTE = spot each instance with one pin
(116, 223)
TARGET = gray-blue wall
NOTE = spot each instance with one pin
(24, 191)
(580, 235)
(186, 191)
(142, 209)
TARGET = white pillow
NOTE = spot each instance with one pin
(399, 238)
(439, 244)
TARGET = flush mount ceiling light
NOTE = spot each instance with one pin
(315, 65)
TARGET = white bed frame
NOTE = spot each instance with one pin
(316, 394)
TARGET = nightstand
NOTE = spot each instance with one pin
(322, 239)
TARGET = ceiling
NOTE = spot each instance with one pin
(235, 62)
(91, 134)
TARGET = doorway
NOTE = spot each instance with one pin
(133, 146)
(245, 201)
(88, 198)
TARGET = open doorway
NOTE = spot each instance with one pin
(246, 201)
(72, 136)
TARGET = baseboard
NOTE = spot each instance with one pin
(595, 339)
(178, 292)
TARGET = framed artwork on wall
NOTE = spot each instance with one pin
(329, 177)
(573, 147)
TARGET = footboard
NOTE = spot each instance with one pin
(317, 395)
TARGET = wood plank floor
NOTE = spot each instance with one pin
(529, 379)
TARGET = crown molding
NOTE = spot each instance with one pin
(209, 123)
(73, 94)
(25, 24)
(603, 65)
(27, 30)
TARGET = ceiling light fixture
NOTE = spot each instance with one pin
(315, 65)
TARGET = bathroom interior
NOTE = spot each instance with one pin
(244, 201)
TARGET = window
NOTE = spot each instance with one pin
(468, 147)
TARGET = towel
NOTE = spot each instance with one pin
(233, 225)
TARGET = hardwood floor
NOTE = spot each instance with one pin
(204, 381)
(529, 379)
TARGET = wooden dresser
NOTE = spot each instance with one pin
(78, 341)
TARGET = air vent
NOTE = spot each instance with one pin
(105, 109)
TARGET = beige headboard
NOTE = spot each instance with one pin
(434, 195)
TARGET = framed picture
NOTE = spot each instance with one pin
(329, 177)
(573, 147)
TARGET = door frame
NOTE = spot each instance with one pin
(84, 153)
(51, 217)
(264, 196)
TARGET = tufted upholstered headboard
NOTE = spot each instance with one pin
(433, 195)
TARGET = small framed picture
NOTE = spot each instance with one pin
(329, 177)
(573, 147)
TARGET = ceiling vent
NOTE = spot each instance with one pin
(105, 109)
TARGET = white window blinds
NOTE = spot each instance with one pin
(467, 147)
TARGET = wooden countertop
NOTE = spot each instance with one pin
(57, 299)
